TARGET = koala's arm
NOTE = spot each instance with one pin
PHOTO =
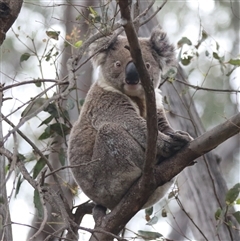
(163, 124)
(119, 111)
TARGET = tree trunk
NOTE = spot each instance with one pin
(83, 84)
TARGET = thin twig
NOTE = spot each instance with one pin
(33, 82)
(196, 87)
(154, 14)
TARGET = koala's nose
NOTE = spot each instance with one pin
(132, 77)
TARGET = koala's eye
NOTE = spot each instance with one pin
(148, 66)
(117, 64)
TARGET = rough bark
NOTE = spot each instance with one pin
(9, 10)
(5, 219)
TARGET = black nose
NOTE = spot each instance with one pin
(132, 77)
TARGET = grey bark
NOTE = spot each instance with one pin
(5, 219)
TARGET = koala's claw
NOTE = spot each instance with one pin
(174, 141)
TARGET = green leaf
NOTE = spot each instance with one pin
(24, 57)
(232, 194)
(97, 19)
(238, 201)
(38, 167)
(237, 216)
(230, 72)
(149, 211)
(19, 183)
(60, 129)
(37, 203)
(46, 134)
(149, 235)
(218, 214)
(182, 41)
(81, 102)
(48, 55)
(62, 157)
(53, 34)
(33, 106)
(46, 121)
(235, 62)
(78, 44)
(21, 157)
(171, 73)
(216, 56)
(186, 60)
(38, 83)
(152, 221)
(92, 11)
(7, 168)
(52, 110)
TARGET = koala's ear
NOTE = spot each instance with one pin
(162, 50)
(101, 47)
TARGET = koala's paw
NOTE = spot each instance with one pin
(181, 136)
(174, 141)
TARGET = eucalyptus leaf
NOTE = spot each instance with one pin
(24, 57)
(232, 194)
(149, 235)
(235, 62)
(237, 216)
(37, 203)
(53, 34)
(182, 41)
(33, 106)
(38, 167)
(152, 221)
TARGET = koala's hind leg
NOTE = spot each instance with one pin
(119, 159)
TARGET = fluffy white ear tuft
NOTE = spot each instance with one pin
(162, 50)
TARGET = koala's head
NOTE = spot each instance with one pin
(117, 68)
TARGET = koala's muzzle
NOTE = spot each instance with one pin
(132, 77)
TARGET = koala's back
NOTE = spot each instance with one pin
(109, 159)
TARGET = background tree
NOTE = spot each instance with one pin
(203, 182)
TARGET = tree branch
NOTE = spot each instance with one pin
(198, 147)
(136, 54)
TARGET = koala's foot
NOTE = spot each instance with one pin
(173, 142)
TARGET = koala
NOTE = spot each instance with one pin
(108, 140)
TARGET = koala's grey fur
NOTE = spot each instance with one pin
(109, 138)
